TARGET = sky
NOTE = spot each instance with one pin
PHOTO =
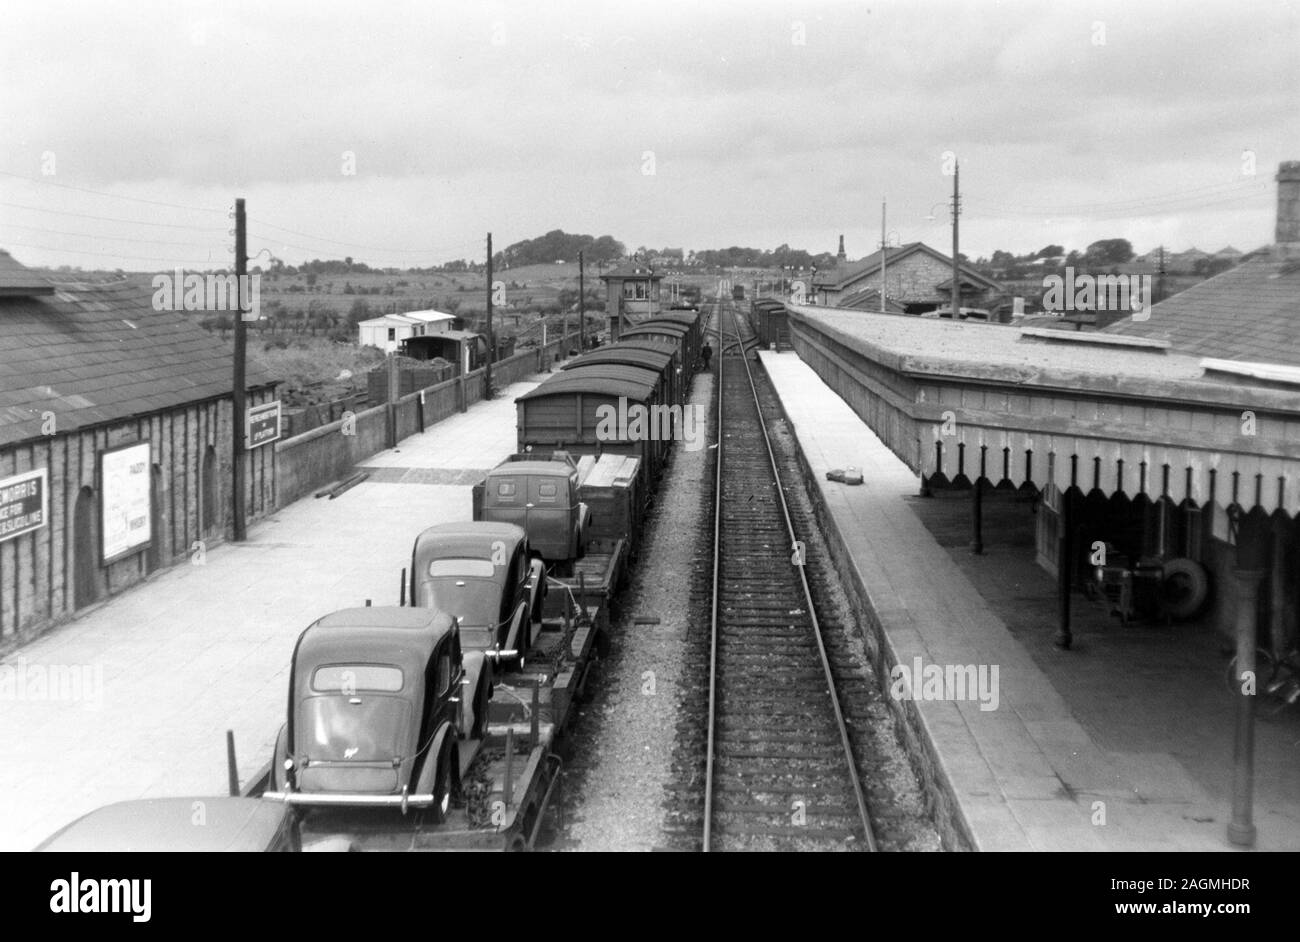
(400, 133)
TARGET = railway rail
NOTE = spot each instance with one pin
(780, 770)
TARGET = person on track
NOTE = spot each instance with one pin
(706, 353)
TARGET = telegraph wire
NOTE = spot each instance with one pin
(115, 196)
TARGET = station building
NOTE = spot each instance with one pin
(115, 444)
(915, 279)
(1171, 440)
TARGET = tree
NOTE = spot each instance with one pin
(1051, 251)
(359, 311)
(1106, 252)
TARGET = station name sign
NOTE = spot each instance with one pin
(262, 425)
(24, 503)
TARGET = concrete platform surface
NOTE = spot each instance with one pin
(163, 670)
(1028, 774)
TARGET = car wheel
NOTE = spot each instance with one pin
(442, 786)
(279, 777)
(480, 711)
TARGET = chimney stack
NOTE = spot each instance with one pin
(842, 257)
(1287, 237)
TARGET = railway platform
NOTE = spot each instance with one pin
(1115, 746)
(167, 667)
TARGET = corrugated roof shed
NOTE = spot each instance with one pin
(1251, 312)
(99, 353)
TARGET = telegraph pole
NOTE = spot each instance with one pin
(492, 346)
(582, 306)
(238, 419)
(956, 274)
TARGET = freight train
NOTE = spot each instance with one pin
(433, 725)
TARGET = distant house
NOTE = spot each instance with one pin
(389, 331)
(115, 443)
(1185, 261)
(916, 277)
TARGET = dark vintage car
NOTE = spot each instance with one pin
(378, 706)
(483, 574)
(180, 824)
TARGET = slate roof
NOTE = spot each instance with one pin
(1250, 313)
(841, 276)
(92, 354)
(20, 281)
(868, 299)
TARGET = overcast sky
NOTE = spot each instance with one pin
(694, 124)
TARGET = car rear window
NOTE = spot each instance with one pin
(474, 568)
(346, 678)
(505, 489)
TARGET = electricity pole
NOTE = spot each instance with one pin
(492, 347)
(238, 420)
(582, 306)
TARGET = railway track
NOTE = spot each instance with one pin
(780, 770)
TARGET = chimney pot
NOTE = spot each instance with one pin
(1287, 236)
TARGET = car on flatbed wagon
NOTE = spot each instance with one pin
(483, 574)
(541, 495)
(379, 705)
(205, 824)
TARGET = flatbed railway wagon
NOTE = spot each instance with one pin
(585, 517)
(347, 771)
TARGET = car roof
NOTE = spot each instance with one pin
(471, 540)
(173, 824)
(559, 469)
(402, 635)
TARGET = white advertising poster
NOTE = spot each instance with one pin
(124, 499)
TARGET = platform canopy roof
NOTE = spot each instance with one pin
(1096, 411)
